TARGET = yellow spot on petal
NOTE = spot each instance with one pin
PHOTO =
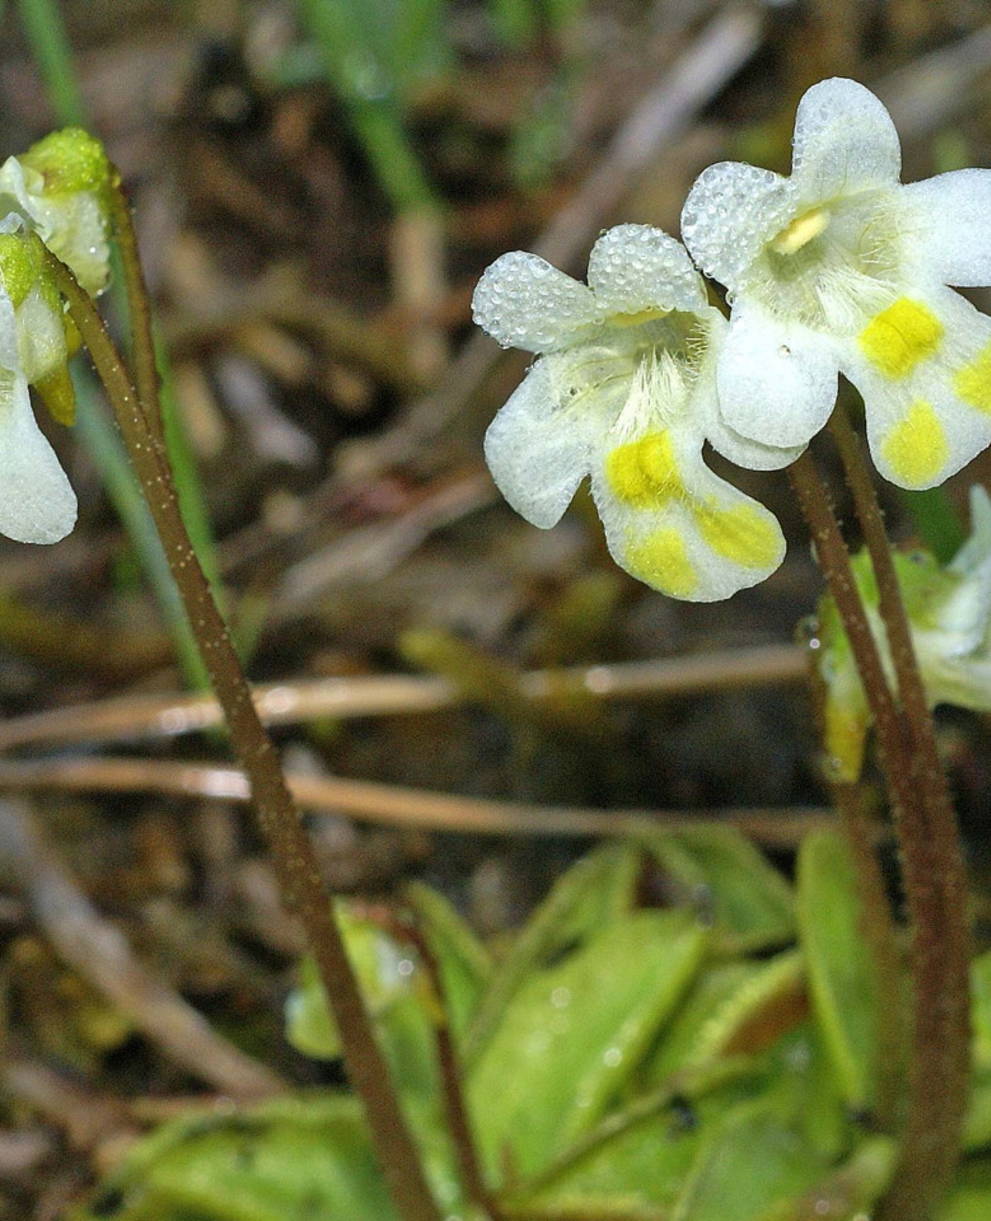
(801, 231)
(973, 382)
(895, 340)
(661, 559)
(743, 534)
(916, 447)
(644, 473)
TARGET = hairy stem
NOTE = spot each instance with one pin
(139, 310)
(296, 867)
(935, 880)
(930, 1143)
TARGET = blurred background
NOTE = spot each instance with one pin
(460, 697)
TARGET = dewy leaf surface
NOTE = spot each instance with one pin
(574, 1033)
(592, 894)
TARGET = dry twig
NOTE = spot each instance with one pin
(292, 702)
(405, 808)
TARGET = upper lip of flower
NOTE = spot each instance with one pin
(840, 268)
(624, 391)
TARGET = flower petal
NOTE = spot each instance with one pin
(923, 366)
(776, 381)
(731, 212)
(41, 337)
(675, 525)
(727, 441)
(742, 451)
(946, 221)
(74, 227)
(633, 268)
(844, 141)
(524, 302)
(537, 450)
(37, 503)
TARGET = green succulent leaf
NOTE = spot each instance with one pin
(295, 1158)
(399, 999)
(637, 1161)
(847, 1192)
(977, 1126)
(574, 1034)
(596, 891)
(737, 1008)
(841, 982)
(753, 1161)
(970, 1197)
(463, 963)
(726, 878)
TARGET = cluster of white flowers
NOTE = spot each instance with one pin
(55, 191)
(838, 268)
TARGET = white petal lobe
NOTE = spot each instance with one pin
(776, 383)
(948, 223)
(636, 267)
(524, 302)
(731, 211)
(537, 453)
(37, 503)
(844, 140)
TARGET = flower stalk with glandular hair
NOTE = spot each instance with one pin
(303, 892)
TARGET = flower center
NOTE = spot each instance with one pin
(832, 266)
(801, 231)
(640, 364)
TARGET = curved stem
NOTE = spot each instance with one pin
(296, 866)
(935, 878)
(139, 309)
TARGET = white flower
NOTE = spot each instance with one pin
(624, 390)
(842, 268)
(949, 613)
